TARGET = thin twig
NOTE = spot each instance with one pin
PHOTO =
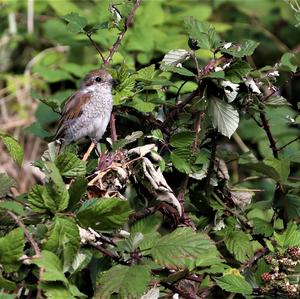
(122, 33)
(211, 163)
(89, 35)
(284, 146)
(266, 127)
(88, 152)
(113, 130)
(178, 108)
(27, 233)
(176, 290)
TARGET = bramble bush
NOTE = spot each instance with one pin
(196, 191)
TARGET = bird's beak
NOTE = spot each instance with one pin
(114, 82)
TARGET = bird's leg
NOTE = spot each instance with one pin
(97, 147)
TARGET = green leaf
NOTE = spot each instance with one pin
(182, 139)
(128, 282)
(292, 206)
(274, 168)
(36, 198)
(237, 242)
(69, 164)
(11, 249)
(180, 158)
(81, 260)
(224, 116)
(6, 183)
(181, 247)
(276, 101)
(244, 48)
(50, 75)
(53, 270)
(14, 148)
(235, 284)
(104, 213)
(262, 227)
(287, 63)
(141, 105)
(13, 206)
(37, 130)
(7, 284)
(77, 191)
(290, 237)
(147, 225)
(203, 32)
(237, 71)
(7, 296)
(127, 140)
(146, 73)
(63, 239)
(76, 23)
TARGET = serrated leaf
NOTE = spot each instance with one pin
(234, 283)
(180, 247)
(53, 270)
(36, 198)
(203, 32)
(175, 57)
(277, 101)
(290, 237)
(146, 73)
(63, 239)
(13, 147)
(147, 225)
(127, 140)
(180, 158)
(244, 48)
(237, 71)
(69, 164)
(182, 139)
(262, 227)
(224, 116)
(104, 213)
(128, 282)
(7, 284)
(141, 105)
(274, 168)
(77, 191)
(287, 63)
(6, 183)
(237, 242)
(11, 249)
(81, 260)
(76, 23)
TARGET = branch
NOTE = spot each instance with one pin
(178, 108)
(211, 163)
(113, 130)
(27, 233)
(266, 127)
(89, 35)
(122, 33)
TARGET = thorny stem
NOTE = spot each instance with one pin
(106, 62)
(266, 127)
(89, 35)
(122, 33)
(27, 233)
(34, 245)
(211, 164)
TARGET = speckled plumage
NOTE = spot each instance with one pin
(87, 112)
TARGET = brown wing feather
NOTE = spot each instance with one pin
(71, 110)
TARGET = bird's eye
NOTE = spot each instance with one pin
(98, 79)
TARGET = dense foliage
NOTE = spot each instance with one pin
(196, 191)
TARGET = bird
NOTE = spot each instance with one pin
(87, 112)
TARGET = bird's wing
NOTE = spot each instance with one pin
(72, 110)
